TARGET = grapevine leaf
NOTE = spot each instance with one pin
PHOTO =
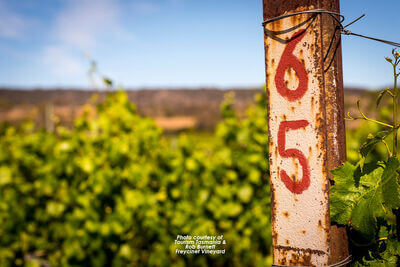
(392, 248)
(107, 81)
(363, 217)
(343, 193)
(388, 59)
(390, 185)
(357, 197)
(383, 232)
(389, 257)
(372, 141)
(368, 204)
(381, 94)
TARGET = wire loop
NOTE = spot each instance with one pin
(313, 11)
(339, 18)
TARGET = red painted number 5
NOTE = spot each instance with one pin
(294, 186)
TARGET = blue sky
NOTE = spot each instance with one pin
(167, 43)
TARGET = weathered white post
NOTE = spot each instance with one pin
(306, 128)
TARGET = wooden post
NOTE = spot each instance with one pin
(306, 130)
(48, 117)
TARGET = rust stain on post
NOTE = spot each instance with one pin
(306, 131)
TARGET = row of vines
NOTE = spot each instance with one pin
(113, 191)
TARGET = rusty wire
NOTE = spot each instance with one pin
(339, 18)
(313, 11)
(338, 264)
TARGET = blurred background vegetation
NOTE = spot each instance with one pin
(112, 188)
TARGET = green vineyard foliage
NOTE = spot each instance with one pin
(112, 191)
(365, 196)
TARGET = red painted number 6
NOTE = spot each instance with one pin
(288, 60)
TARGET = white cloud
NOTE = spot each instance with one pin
(83, 22)
(12, 25)
(78, 29)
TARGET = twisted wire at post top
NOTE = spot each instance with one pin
(312, 11)
(339, 18)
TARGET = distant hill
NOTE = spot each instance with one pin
(173, 110)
